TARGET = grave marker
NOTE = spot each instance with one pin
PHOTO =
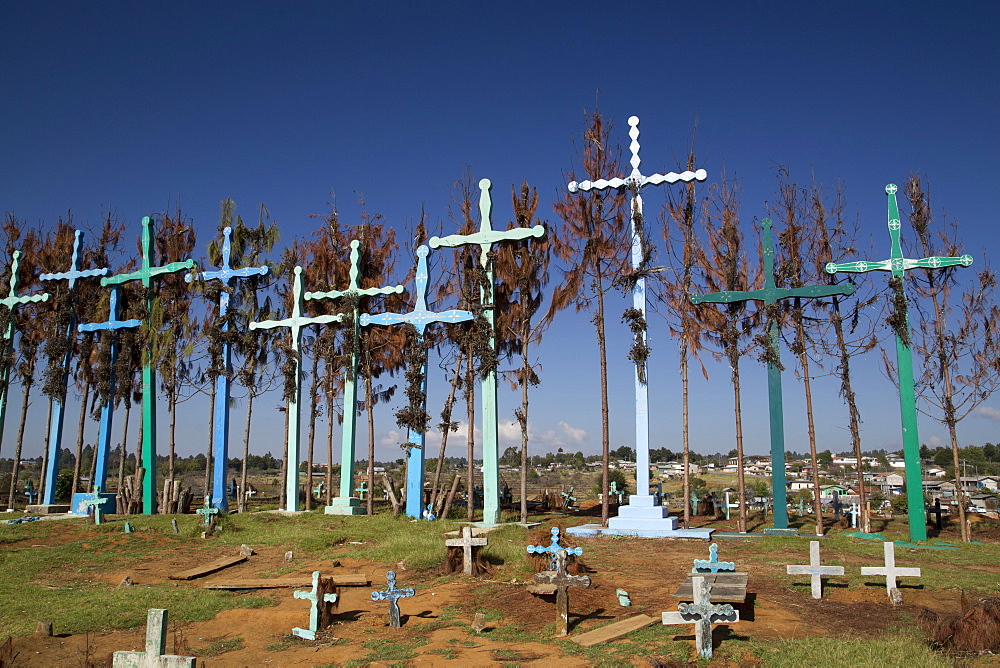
(703, 615)
(712, 564)
(156, 645)
(319, 608)
(96, 502)
(815, 571)
(208, 513)
(562, 581)
(392, 594)
(466, 542)
(554, 547)
(937, 512)
(890, 571)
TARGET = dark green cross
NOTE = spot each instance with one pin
(898, 265)
(146, 273)
(771, 294)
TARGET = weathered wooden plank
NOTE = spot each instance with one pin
(542, 589)
(726, 587)
(345, 580)
(205, 569)
(613, 631)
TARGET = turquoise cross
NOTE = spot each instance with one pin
(771, 294)
(207, 513)
(898, 266)
(554, 547)
(712, 564)
(316, 599)
(95, 502)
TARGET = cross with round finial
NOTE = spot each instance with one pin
(554, 547)
(392, 594)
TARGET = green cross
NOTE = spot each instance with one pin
(354, 292)
(771, 294)
(146, 274)
(485, 238)
(12, 301)
(898, 265)
(96, 502)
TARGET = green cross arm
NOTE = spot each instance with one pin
(146, 272)
(771, 295)
(901, 264)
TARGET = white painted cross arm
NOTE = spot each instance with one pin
(655, 179)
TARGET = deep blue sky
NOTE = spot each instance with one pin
(137, 106)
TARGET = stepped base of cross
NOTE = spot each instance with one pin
(643, 518)
(47, 508)
(345, 505)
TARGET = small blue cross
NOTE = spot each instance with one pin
(392, 594)
(554, 548)
(712, 564)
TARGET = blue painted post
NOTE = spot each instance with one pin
(485, 238)
(58, 405)
(419, 317)
(220, 434)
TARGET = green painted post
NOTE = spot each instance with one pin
(898, 265)
(354, 292)
(146, 273)
(771, 294)
(485, 238)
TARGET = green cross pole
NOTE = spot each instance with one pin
(771, 294)
(295, 323)
(11, 302)
(485, 238)
(354, 292)
(898, 265)
(146, 274)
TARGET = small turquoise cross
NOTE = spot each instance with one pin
(208, 512)
(316, 599)
(95, 502)
(712, 564)
(554, 547)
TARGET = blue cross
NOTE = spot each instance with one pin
(392, 594)
(554, 548)
(712, 564)
(316, 599)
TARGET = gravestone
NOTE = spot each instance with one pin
(321, 597)
(937, 512)
(568, 499)
(703, 615)
(554, 548)
(208, 513)
(392, 594)
(730, 506)
(815, 571)
(837, 506)
(156, 645)
(891, 572)
(712, 564)
(95, 502)
(854, 515)
(466, 542)
(562, 581)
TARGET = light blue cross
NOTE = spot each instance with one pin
(392, 594)
(554, 547)
(95, 502)
(313, 596)
(712, 564)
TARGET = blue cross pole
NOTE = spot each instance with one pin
(635, 182)
(220, 433)
(419, 317)
(11, 302)
(485, 238)
(354, 292)
(295, 323)
(59, 404)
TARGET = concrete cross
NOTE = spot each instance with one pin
(156, 645)
(392, 594)
(419, 317)
(466, 542)
(317, 599)
(220, 433)
(58, 407)
(295, 323)
(354, 293)
(485, 238)
(635, 182)
(95, 502)
(562, 581)
(890, 571)
(145, 274)
(898, 266)
(207, 513)
(772, 294)
(554, 547)
(815, 571)
(730, 506)
(703, 615)
(712, 564)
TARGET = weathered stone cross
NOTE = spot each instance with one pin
(890, 571)
(554, 548)
(156, 645)
(344, 505)
(466, 542)
(220, 425)
(295, 323)
(392, 594)
(815, 571)
(320, 602)
(703, 615)
(562, 581)
(712, 564)
(419, 317)
(899, 265)
(771, 294)
(96, 502)
(485, 238)
(146, 274)
(58, 407)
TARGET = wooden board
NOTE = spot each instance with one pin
(726, 587)
(198, 571)
(345, 580)
(542, 589)
(613, 631)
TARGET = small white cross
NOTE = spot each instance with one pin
(466, 542)
(890, 571)
(156, 645)
(815, 570)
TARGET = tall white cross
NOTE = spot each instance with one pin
(635, 182)
(815, 571)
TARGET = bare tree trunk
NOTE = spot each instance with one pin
(310, 452)
(959, 493)
(522, 418)
(684, 431)
(172, 407)
(852, 408)
(800, 336)
(370, 410)
(470, 416)
(79, 439)
(124, 447)
(45, 453)
(605, 422)
(737, 408)
(446, 420)
(329, 447)
(18, 445)
(451, 496)
(241, 501)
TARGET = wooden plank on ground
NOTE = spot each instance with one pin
(613, 631)
(345, 580)
(542, 589)
(726, 587)
(198, 571)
